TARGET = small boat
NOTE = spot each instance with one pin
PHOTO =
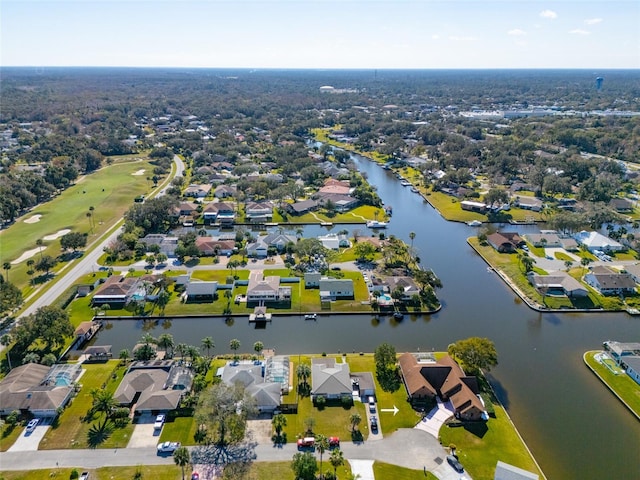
(398, 315)
(376, 224)
(326, 224)
(404, 183)
(415, 190)
(474, 223)
(311, 316)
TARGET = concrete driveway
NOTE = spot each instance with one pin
(144, 434)
(434, 420)
(30, 441)
(362, 469)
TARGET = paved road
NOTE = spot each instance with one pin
(410, 448)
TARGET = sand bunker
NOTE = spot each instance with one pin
(33, 219)
(27, 255)
(54, 236)
(139, 172)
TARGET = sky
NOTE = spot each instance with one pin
(419, 34)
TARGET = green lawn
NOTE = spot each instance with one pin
(479, 446)
(406, 417)
(9, 435)
(157, 472)
(110, 191)
(384, 470)
(179, 429)
(623, 385)
(69, 431)
(330, 421)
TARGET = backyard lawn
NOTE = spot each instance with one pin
(623, 384)
(384, 470)
(479, 446)
(69, 431)
(157, 472)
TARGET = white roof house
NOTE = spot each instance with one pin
(334, 241)
(596, 241)
(201, 289)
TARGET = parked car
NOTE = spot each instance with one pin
(84, 476)
(374, 424)
(306, 442)
(31, 426)
(372, 405)
(195, 476)
(157, 425)
(168, 447)
(455, 464)
(334, 442)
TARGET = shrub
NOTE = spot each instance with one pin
(74, 474)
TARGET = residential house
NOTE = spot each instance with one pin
(200, 291)
(166, 243)
(505, 242)
(335, 288)
(157, 385)
(266, 289)
(504, 471)
(609, 282)
(279, 241)
(118, 290)
(330, 379)
(621, 205)
(267, 394)
(258, 249)
(312, 279)
(225, 191)
(333, 241)
(332, 186)
(185, 209)
(85, 331)
(631, 365)
(548, 239)
(558, 283)
(528, 203)
(405, 284)
(212, 246)
(471, 206)
(221, 212)
(621, 350)
(37, 390)
(443, 379)
(304, 206)
(634, 271)
(259, 211)
(596, 241)
(363, 384)
(197, 191)
(342, 203)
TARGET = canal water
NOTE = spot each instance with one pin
(575, 428)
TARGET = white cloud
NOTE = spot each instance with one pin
(579, 31)
(516, 32)
(550, 14)
(593, 21)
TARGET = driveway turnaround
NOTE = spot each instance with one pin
(30, 441)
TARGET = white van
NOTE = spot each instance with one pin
(372, 405)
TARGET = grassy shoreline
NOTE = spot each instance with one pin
(623, 387)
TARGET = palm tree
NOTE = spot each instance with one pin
(355, 420)
(103, 402)
(181, 349)
(234, 345)
(412, 235)
(192, 352)
(568, 264)
(165, 341)
(90, 224)
(278, 422)
(322, 445)
(124, 355)
(5, 341)
(6, 266)
(207, 344)
(31, 357)
(304, 372)
(336, 459)
(584, 262)
(182, 458)
(258, 347)
(147, 339)
(39, 244)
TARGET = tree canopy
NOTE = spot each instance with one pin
(476, 353)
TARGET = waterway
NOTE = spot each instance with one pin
(574, 427)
